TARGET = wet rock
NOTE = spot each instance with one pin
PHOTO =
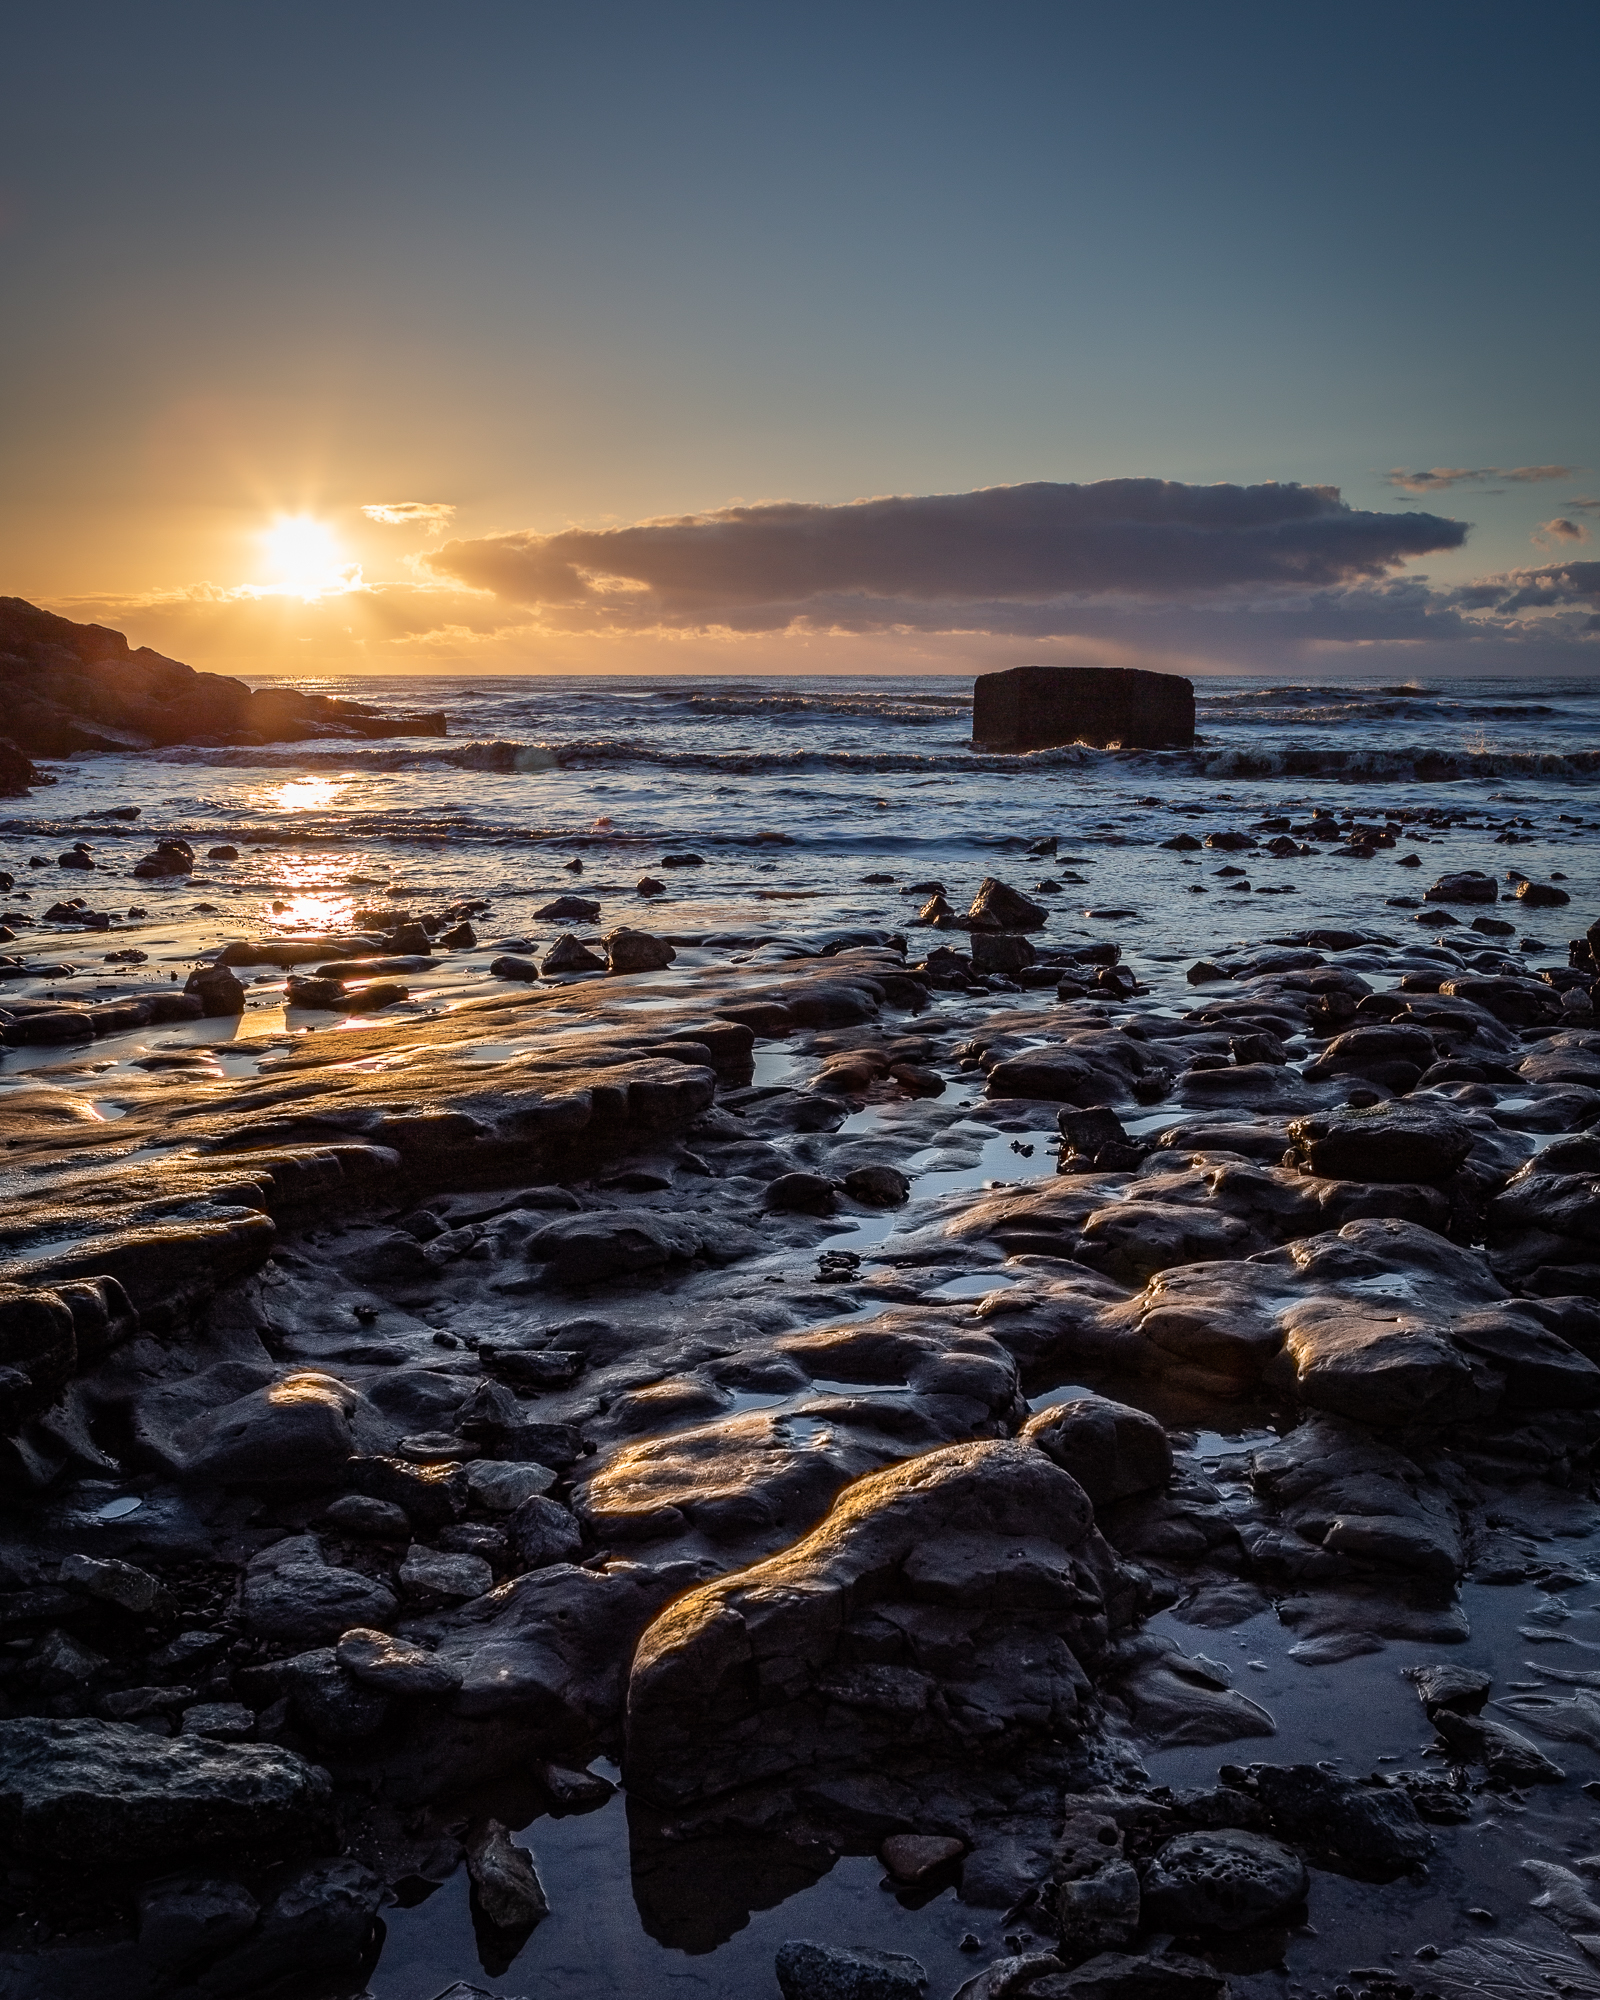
(295, 1432)
(1468, 885)
(1383, 1142)
(1114, 1976)
(119, 1583)
(1361, 1826)
(803, 1194)
(973, 1568)
(1112, 1451)
(1464, 1690)
(808, 1971)
(1574, 1720)
(1349, 1494)
(1001, 952)
(877, 1186)
(568, 955)
(1176, 1700)
(543, 1532)
(1099, 1910)
(374, 1520)
(330, 1702)
(510, 965)
(431, 1577)
(74, 1787)
(291, 1596)
(1006, 1976)
(997, 907)
(325, 995)
(319, 1923)
(586, 1249)
(1508, 1756)
(910, 1856)
(502, 1488)
(167, 860)
(187, 1919)
(220, 1721)
(1541, 895)
(1224, 1880)
(221, 992)
(505, 1883)
(637, 951)
(568, 909)
(392, 1667)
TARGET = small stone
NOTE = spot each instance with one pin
(877, 1187)
(116, 1583)
(392, 1667)
(575, 1791)
(371, 1520)
(568, 955)
(803, 1194)
(910, 1856)
(505, 1882)
(502, 1487)
(427, 1577)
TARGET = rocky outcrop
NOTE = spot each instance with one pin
(946, 1604)
(71, 688)
(1037, 708)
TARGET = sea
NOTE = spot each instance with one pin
(792, 790)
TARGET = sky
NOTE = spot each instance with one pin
(868, 338)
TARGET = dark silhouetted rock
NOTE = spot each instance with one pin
(1224, 1880)
(167, 861)
(568, 909)
(637, 951)
(1112, 1450)
(1467, 885)
(567, 955)
(76, 687)
(998, 907)
(808, 1971)
(1038, 708)
(1382, 1142)
(221, 992)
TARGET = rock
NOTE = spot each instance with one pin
(543, 1532)
(502, 1488)
(18, 774)
(910, 1856)
(326, 995)
(119, 1583)
(1508, 1756)
(1007, 1976)
(221, 993)
(1349, 1494)
(975, 1566)
(187, 1919)
(320, 1922)
(69, 1788)
(391, 1667)
(295, 1432)
(76, 857)
(428, 1577)
(220, 1721)
(589, 1248)
(877, 1187)
(331, 1703)
(1541, 895)
(168, 860)
(1461, 1689)
(1041, 708)
(1098, 1911)
(377, 1520)
(1113, 1976)
(808, 1971)
(223, 853)
(1175, 1700)
(567, 955)
(1332, 1816)
(291, 1596)
(637, 951)
(568, 909)
(1382, 1142)
(510, 966)
(505, 1883)
(801, 1194)
(77, 687)
(996, 907)
(1225, 1880)
(1000, 951)
(575, 1791)
(1467, 886)
(649, 885)
(1110, 1449)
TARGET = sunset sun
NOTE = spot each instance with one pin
(303, 556)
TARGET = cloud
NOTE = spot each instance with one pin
(1556, 586)
(1559, 530)
(1440, 477)
(411, 513)
(952, 561)
(1582, 506)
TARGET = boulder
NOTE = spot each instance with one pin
(568, 909)
(941, 1604)
(295, 1432)
(1468, 885)
(567, 955)
(1541, 895)
(1341, 1821)
(505, 1883)
(585, 1249)
(1112, 1451)
(637, 951)
(221, 992)
(75, 1787)
(1382, 1142)
(1117, 1976)
(998, 907)
(877, 1187)
(1001, 951)
(1222, 1880)
(1041, 708)
(290, 1596)
(166, 861)
(392, 1667)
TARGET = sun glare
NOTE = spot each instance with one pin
(304, 557)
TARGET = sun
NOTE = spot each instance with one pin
(304, 557)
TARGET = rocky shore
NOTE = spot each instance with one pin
(775, 1366)
(72, 688)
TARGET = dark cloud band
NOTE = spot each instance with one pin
(949, 560)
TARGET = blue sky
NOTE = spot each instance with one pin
(574, 269)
